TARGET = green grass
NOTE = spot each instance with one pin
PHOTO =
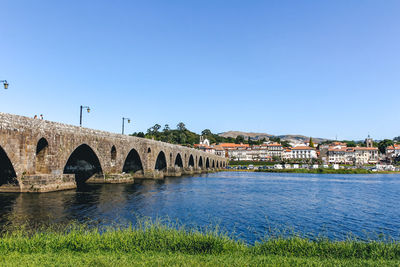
(157, 244)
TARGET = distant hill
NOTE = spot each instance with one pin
(257, 136)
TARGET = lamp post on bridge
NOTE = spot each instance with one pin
(123, 123)
(88, 110)
(5, 83)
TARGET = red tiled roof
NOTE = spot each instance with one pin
(365, 148)
(302, 148)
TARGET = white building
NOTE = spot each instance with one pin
(240, 154)
(393, 151)
(303, 152)
(275, 150)
(353, 155)
(287, 154)
(366, 155)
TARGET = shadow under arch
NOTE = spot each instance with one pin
(132, 162)
(201, 162)
(178, 161)
(191, 161)
(213, 164)
(207, 163)
(7, 172)
(84, 163)
(113, 153)
(161, 162)
(42, 149)
(217, 164)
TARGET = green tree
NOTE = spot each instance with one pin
(285, 144)
(382, 145)
(311, 143)
(350, 143)
(239, 139)
(166, 128)
(181, 126)
(206, 132)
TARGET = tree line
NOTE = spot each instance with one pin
(181, 135)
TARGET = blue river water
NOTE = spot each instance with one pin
(244, 204)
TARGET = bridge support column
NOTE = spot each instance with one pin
(154, 174)
(174, 172)
(123, 178)
(188, 171)
(39, 183)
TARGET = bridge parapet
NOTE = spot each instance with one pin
(32, 148)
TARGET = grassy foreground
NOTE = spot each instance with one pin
(157, 244)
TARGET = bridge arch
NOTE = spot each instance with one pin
(178, 161)
(7, 172)
(132, 162)
(191, 161)
(84, 163)
(213, 164)
(113, 153)
(42, 151)
(217, 164)
(201, 162)
(161, 162)
(207, 163)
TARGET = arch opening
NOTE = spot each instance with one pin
(84, 163)
(42, 149)
(213, 164)
(178, 161)
(161, 162)
(217, 164)
(132, 162)
(207, 163)
(7, 172)
(149, 150)
(191, 161)
(201, 162)
(113, 153)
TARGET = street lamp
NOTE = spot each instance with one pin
(88, 110)
(5, 83)
(123, 123)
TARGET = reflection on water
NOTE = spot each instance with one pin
(246, 204)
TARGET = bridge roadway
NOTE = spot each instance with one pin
(41, 156)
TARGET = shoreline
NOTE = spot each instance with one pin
(315, 171)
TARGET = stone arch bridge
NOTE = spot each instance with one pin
(41, 156)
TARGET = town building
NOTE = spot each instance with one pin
(303, 152)
(393, 151)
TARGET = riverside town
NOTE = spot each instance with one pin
(309, 155)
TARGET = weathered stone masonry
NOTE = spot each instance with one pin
(49, 156)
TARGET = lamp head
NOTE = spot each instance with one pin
(129, 120)
(5, 85)
(88, 110)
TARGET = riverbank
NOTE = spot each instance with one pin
(157, 244)
(315, 171)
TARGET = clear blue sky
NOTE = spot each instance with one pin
(319, 68)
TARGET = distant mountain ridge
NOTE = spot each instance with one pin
(293, 138)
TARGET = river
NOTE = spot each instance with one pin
(245, 204)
